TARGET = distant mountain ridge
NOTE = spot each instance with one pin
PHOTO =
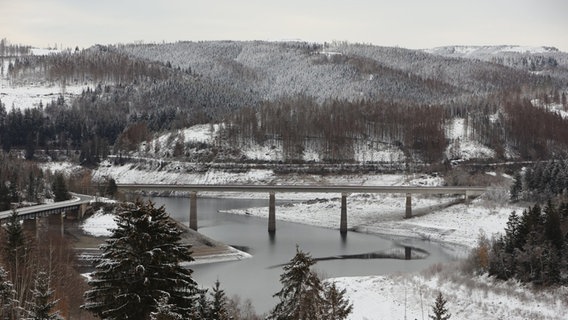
(545, 60)
(355, 71)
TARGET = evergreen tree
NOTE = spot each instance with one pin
(7, 296)
(516, 187)
(164, 310)
(552, 227)
(301, 294)
(13, 190)
(42, 301)
(5, 201)
(202, 307)
(218, 305)
(14, 244)
(140, 263)
(439, 310)
(111, 188)
(59, 188)
(337, 306)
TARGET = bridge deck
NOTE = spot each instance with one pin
(473, 191)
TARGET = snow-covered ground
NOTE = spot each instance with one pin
(411, 296)
(398, 296)
(30, 94)
(483, 298)
(99, 224)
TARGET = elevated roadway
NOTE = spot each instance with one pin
(78, 202)
(344, 190)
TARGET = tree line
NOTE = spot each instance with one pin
(540, 181)
(535, 132)
(335, 127)
(8, 49)
(94, 65)
(533, 248)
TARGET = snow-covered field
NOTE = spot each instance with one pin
(30, 94)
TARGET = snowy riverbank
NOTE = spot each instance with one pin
(397, 296)
(410, 296)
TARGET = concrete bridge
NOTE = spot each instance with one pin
(344, 190)
(78, 203)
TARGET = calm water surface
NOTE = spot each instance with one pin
(258, 278)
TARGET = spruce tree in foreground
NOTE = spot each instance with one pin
(300, 296)
(40, 308)
(218, 305)
(7, 296)
(304, 297)
(14, 245)
(439, 310)
(139, 271)
(337, 306)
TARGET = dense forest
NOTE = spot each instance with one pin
(331, 99)
(532, 248)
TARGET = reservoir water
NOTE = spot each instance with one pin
(258, 278)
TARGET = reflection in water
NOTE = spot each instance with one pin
(351, 254)
(407, 253)
(399, 253)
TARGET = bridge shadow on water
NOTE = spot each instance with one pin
(396, 253)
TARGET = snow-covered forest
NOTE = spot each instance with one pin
(242, 112)
(315, 102)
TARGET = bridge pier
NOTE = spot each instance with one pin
(407, 253)
(466, 200)
(343, 220)
(272, 213)
(82, 210)
(408, 214)
(62, 223)
(193, 210)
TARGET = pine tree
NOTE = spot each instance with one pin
(337, 306)
(301, 294)
(439, 310)
(552, 226)
(7, 296)
(164, 310)
(516, 187)
(511, 238)
(59, 188)
(5, 201)
(140, 263)
(42, 302)
(218, 305)
(202, 307)
(111, 188)
(14, 248)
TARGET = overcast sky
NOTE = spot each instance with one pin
(404, 23)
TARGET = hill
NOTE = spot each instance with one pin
(305, 102)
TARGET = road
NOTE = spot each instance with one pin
(348, 189)
(48, 208)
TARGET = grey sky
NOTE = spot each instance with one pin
(405, 23)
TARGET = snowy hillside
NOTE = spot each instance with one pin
(337, 70)
(31, 93)
(479, 51)
(539, 60)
